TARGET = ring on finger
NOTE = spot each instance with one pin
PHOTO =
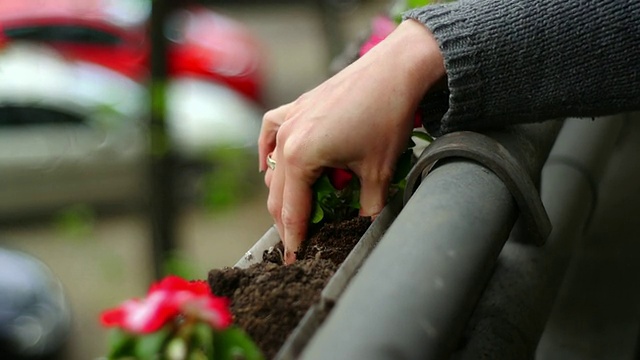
(271, 163)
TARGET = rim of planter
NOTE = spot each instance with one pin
(315, 315)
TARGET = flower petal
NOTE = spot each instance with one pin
(339, 178)
(212, 310)
(141, 316)
(166, 300)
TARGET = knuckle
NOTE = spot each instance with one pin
(290, 219)
(286, 132)
(301, 99)
(271, 116)
(274, 208)
(293, 142)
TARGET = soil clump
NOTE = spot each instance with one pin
(269, 299)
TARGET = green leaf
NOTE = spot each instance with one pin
(403, 166)
(318, 213)
(234, 344)
(418, 3)
(203, 339)
(198, 355)
(422, 135)
(121, 344)
(150, 346)
(355, 200)
(400, 185)
(323, 187)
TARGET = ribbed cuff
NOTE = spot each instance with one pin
(452, 32)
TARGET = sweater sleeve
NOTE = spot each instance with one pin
(514, 61)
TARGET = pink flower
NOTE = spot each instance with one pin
(381, 27)
(165, 301)
(339, 178)
(141, 316)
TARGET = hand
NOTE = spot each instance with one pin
(360, 119)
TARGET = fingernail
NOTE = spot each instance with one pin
(289, 257)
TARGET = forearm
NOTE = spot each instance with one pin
(514, 61)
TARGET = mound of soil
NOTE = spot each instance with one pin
(269, 299)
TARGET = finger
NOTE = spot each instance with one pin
(271, 122)
(268, 175)
(274, 200)
(373, 195)
(296, 209)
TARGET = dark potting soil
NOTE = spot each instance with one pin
(269, 299)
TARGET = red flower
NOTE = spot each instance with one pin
(417, 120)
(339, 178)
(165, 301)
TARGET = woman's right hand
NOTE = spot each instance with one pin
(360, 119)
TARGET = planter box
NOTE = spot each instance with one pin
(313, 318)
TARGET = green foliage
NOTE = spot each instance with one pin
(228, 180)
(234, 344)
(177, 264)
(401, 6)
(203, 339)
(418, 3)
(121, 344)
(127, 346)
(149, 346)
(76, 221)
(158, 98)
(422, 136)
(331, 204)
(160, 142)
(197, 341)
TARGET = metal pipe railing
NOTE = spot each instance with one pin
(414, 294)
(510, 317)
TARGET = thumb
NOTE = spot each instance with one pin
(373, 196)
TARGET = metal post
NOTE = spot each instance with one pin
(162, 202)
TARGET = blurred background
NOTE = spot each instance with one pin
(106, 183)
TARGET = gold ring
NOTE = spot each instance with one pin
(271, 163)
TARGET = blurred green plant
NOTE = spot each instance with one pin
(177, 320)
(160, 142)
(229, 179)
(178, 264)
(76, 221)
(401, 6)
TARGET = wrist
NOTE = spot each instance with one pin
(421, 58)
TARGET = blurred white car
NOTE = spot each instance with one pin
(76, 132)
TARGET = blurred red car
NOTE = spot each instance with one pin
(113, 33)
(74, 98)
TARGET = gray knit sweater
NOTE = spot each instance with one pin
(513, 61)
